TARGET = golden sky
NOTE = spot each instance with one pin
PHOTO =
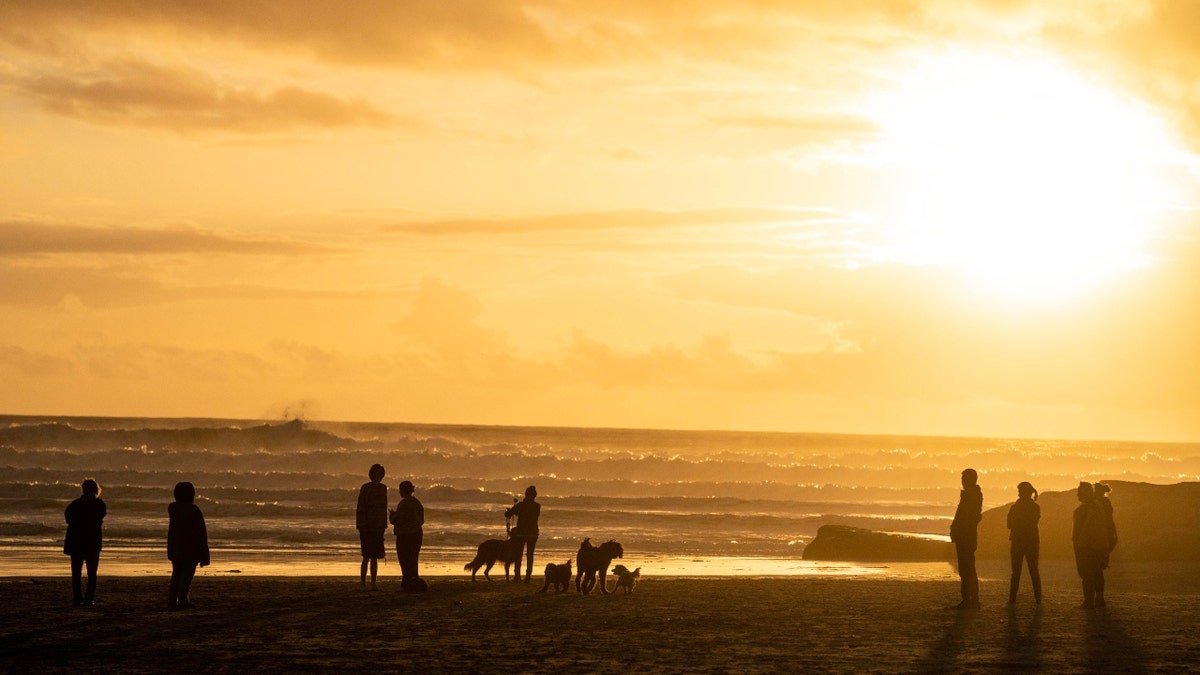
(881, 216)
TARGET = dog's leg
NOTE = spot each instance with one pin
(604, 581)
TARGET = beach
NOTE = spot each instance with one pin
(674, 624)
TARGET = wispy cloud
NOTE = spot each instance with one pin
(23, 238)
(639, 219)
(188, 101)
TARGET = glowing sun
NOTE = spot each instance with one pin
(1022, 173)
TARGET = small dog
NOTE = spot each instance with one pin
(491, 552)
(625, 578)
(559, 575)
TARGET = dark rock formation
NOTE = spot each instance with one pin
(840, 542)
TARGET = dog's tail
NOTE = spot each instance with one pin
(474, 565)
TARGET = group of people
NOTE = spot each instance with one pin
(187, 542)
(372, 517)
(407, 519)
(1093, 537)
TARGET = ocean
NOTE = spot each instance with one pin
(279, 497)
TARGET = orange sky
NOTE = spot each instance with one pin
(905, 217)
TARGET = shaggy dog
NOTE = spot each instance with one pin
(493, 551)
(625, 578)
(559, 575)
(593, 560)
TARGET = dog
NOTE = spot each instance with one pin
(559, 575)
(593, 561)
(625, 578)
(492, 551)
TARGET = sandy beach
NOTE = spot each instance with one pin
(680, 624)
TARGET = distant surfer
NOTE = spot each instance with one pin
(964, 532)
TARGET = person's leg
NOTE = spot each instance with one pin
(1087, 571)
(972, 578)
(404, 541)
(374, 570)
(1016, 554)
(173, 589)
(1035, 576)
(518, 548)
(1099, 584)
(188, 573)
(76, 581)
(93, 562)
(529, 546)
(968, 581)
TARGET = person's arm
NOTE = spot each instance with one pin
(203, 536)
(360, 510)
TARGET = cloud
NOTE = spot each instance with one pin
(26, 238)
(475, 34)
(17, 360)
(625, 219)
(188, 100)
(1149, 47)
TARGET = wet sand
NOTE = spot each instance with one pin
(738, 624)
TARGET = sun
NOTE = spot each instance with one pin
(1022, 173)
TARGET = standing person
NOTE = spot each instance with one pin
(525, 532)
(1101, 491)
(408, 518)
(964, 533)
(84, 534)
(187, 544)
(371, 519)
(1023, 517)
(1090, 539)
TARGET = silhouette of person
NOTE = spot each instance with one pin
(965, 535)
(1101, 491)
(525, 532)
(187, 544)
(371, 520)
(1023, 517)
(408, 518)
(84, 534)
(1090, 539)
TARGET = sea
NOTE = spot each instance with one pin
(279, 496)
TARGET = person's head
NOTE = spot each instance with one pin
(185, 492)
(1085, 491)
(90, 487)
(1025, 490)
(376, 473)
(1100, 489)
(969, 478)
(407, 488)
(530, 492)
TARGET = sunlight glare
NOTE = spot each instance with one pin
(1022, 173)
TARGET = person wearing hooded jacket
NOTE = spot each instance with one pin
(187, 544)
